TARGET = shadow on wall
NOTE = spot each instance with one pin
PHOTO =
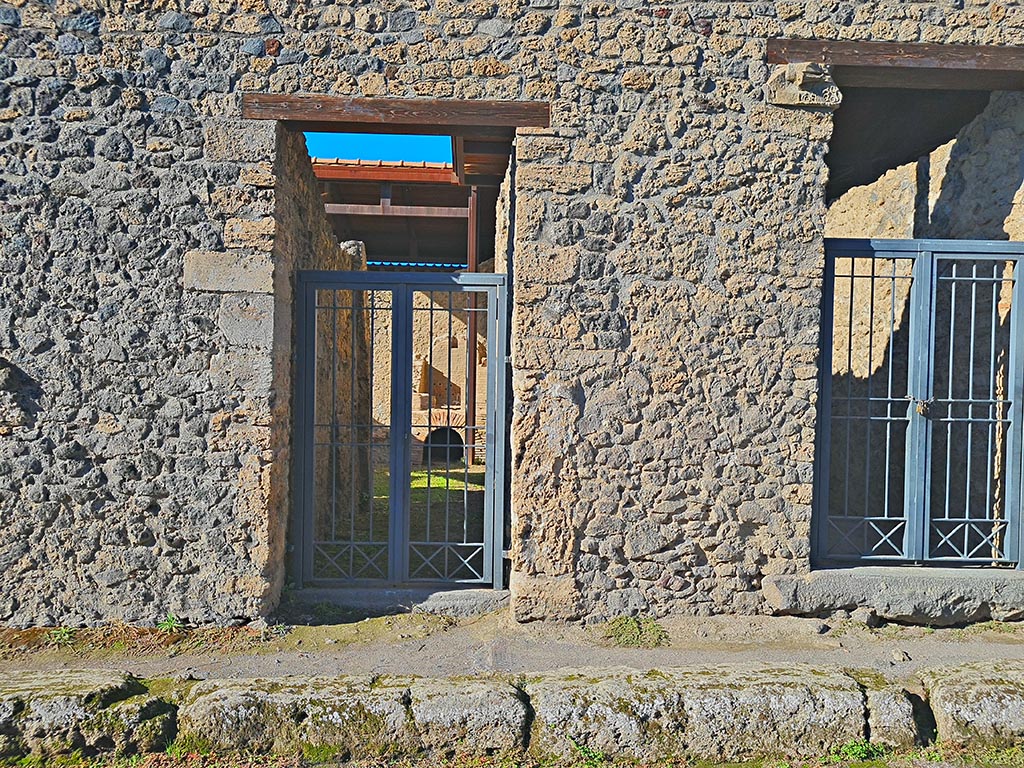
(980, 195)
(19, 398)
(967, 189)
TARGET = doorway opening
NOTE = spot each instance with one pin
(918, 453)
(400, 437)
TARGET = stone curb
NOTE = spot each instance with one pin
(718, 713)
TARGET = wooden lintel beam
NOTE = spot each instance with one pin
(396, 174)
(423, 211)
(442, 113)
(486, 133)
(931, 79)
(908, 65)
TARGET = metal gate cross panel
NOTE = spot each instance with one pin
(400, 449)
(919, 432)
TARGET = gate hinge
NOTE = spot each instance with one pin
(508, 359)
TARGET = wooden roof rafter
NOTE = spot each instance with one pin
(360, 170)
(481, 131)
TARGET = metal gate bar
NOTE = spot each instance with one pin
(920, 381)
(338, 476)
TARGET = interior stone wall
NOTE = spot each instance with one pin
(667, 255)
(974, 185)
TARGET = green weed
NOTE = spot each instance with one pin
(170, 624)
(589, 757)
(61, 637)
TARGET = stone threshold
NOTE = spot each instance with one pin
(905, 594)
(727, 713)
(380, 601)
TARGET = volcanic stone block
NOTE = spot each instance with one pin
(353, 716)
(978, 704)
(43, 714)
(714, 713)
(485, 716)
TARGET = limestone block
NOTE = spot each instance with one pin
(247, 319)
(355, 716)
(979, 704)
(229, 272)
(49, 713)
(245, 233)
(938, 597)
(609, 711)
(257, 175)
(485, 716)
(563, 179)
(240, 140)
(242, 369)
(891, 721)
(713, 713)
(807, 84)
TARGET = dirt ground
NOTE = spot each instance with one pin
(324, 640)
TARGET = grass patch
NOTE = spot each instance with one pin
(858, 751)
(851, 755)
(187, 746)
(631, 632)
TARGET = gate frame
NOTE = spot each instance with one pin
(919, 440)
(402, 285)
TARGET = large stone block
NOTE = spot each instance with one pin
(240, 140)
(229, 272)
(892, 721)
(44, 714)
(938, 597)
(484, 716)
(249, 370)
(978, 704)
(350, 716)
(247, 319)
(562, 179)
(353, 717)
(257, 234)
(714, 713)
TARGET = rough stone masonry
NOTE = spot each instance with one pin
(667, 259)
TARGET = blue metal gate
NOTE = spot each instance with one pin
(400, 416)
(919, 436)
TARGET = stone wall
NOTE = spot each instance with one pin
(667, 255)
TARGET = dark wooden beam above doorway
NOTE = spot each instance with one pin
(908, 65)
(435, 116)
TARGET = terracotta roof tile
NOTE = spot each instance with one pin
(379, 163)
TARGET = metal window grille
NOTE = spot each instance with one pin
(919, 437)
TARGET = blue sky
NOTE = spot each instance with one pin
(380, 146)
